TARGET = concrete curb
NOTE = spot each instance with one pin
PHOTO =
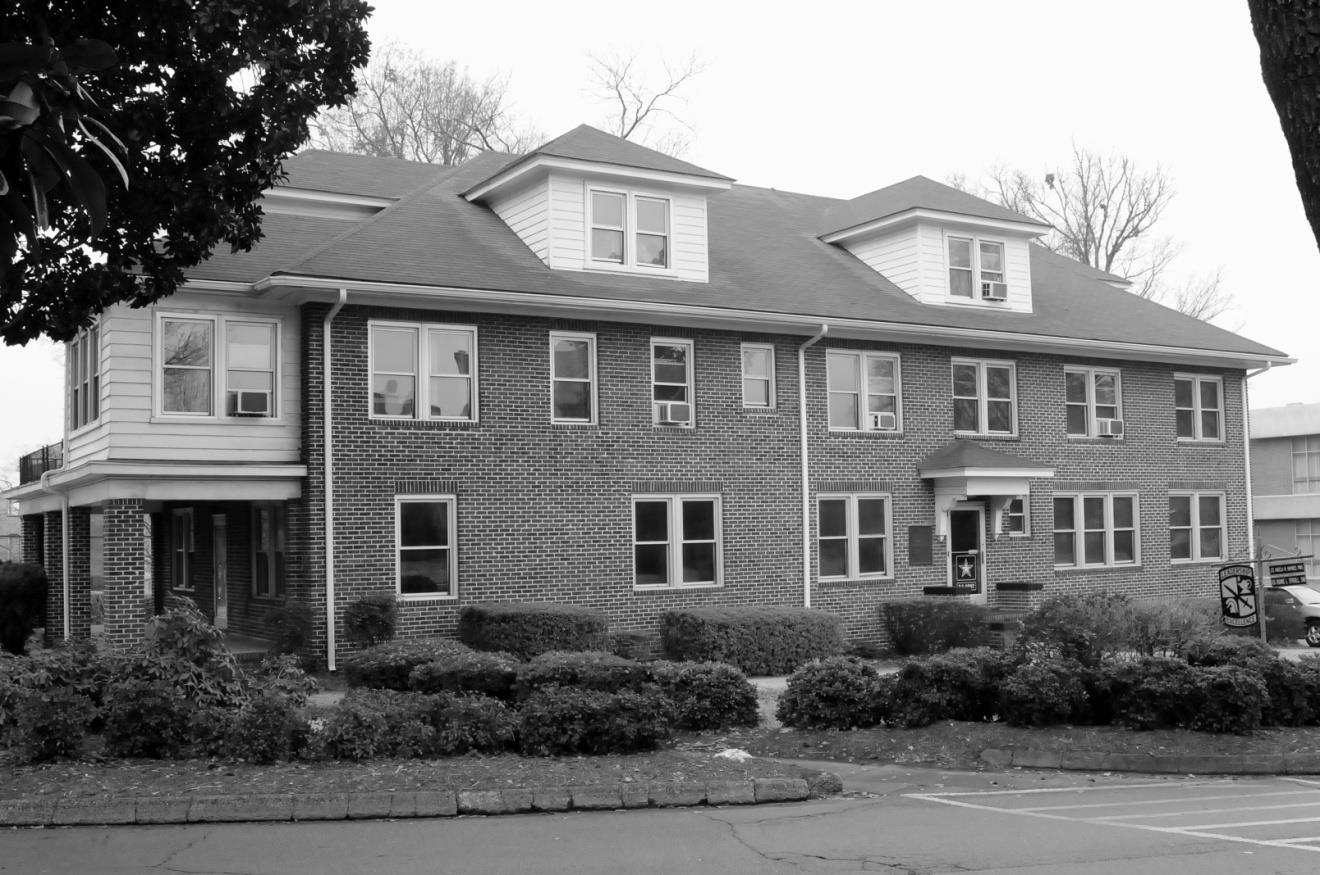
(1104, 761)
(107, 810)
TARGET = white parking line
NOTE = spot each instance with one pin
(1315, 792)
(1236, 810)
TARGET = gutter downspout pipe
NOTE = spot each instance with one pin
(806, 466)
(1246, 453)
(326, 418)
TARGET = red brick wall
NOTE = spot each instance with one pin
(53, 561)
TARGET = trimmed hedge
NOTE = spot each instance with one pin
(841, 692)
(467, 671)
(529, 629)
(922, 626)
(758, 640)
(588, 670)
(707, 695)
(387, 666)
(371, 620)
(1043, 693)
(958, 685)
(568, 720)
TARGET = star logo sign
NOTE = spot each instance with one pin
(966, 569)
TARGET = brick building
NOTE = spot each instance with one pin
(1285, 481)
(600, 375)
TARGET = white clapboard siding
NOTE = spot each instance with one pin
(527, 213)
(568, 219)
(895, 256)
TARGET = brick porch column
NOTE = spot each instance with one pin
(52, 559)
(80, 573)
(33, 552)
(125, 601)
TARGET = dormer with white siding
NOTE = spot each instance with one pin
(589, 201)
(940, 245)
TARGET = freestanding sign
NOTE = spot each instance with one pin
(1237, 595)
(1287, 573)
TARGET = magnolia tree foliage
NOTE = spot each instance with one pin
(137, 136)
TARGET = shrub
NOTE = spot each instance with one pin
(1227, 650)
(387, 666)
(1293, 689)
(841, 692)
(758, 640)
(1228, 698)
(283, 676)
(371, 619)
(530, 629)
(1151, 693)
(366, 724)
(22, 603)
(923, 626)
(1086, 627)
(590, 670)
(466, 671)
(1166, 628)
(74, 666)
(471, 724)
(48, 724)
(567, 720)
(707, 695)
(958, 685)
(631, 644)
(146, 717)
(290, 627)
(1043, 693)
(268, 729)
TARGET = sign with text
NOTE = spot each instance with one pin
(1237, 595)
(1287, 573)
(967, 571)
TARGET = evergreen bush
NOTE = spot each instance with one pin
(527, 629)
(758, 640)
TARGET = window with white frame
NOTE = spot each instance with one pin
(1095, 530)
(629, 230)
(976, 268)
(672, 401)
(421, 371)
(1016, 520)
(572, 377)
(182, 547)
(217, 365)
(251, 352)
(758, 375)
(84, 361)
(1196, 526)
(853, 536)
(864, 390)
(187, 356)
(676, 540)
(1198, 407)
(984, 397)
(1091, 395)
(269, 534)
(1308, 544)
(1306, 464)
(424, 538)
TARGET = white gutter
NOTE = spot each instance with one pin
(806, 467)
(329, 482)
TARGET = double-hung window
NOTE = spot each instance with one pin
(864, 390)
(676, 540)
(423, 371)
(1016, 520)
(1198, 407)
(187, 355)
(182, 547)
(672, 401)
(853, 536)
(1196, 526)
(85, 377)
(984, 397)
(1307, 532)
(628, 230)
(425, 547)
(269, 527)
(976, 268)
(572, 377)
(758, 375)
(1095, 530)
(250, 364)
(1305, 465)
(1091, 395)
(218, 365)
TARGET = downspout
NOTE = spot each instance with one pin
(806, 468)
(1246, 453)
(327, 413)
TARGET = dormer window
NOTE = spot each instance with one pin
(976, 269)
(629, 230)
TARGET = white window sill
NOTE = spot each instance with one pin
(1085, 569)
(630, 270)
(433, 420)
(419, 599)
(675, 587)
(869, 578)
(866, 432)
(1202, 442)
(987, 435)
(574, 423)
(245, 421)
(1188, 563)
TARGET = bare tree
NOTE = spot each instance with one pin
(636, 107)
(410, 106)
(1104, 211)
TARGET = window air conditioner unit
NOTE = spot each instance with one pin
(253, 404)
(673, 412)
(1110, 428)
(994, 291)
(883, 421)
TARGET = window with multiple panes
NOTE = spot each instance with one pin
(251, 353)
(676, 540)
(572, 377)
(973, 264)
(217, 364)
(425, 546)
(84, 361)
(181, 548)
(1196, 526)
(758, 375)
(864, 390)
(1308, 543)
(1095, 529)
(269, 534)
(1198, 407)
(187, 356)
(1015, 517)
(853, 536)
(671, 382)
(629, 230)
(984, 397)
(423, 371)
(1305, 464)
(1090, 394)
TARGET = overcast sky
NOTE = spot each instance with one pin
(839, 99)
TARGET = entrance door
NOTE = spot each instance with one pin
(220, 566)
(966, 552)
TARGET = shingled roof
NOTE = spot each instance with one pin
(917, 193)
(764, 250)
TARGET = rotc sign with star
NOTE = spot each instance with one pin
(1237, 595)
(966, 571)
